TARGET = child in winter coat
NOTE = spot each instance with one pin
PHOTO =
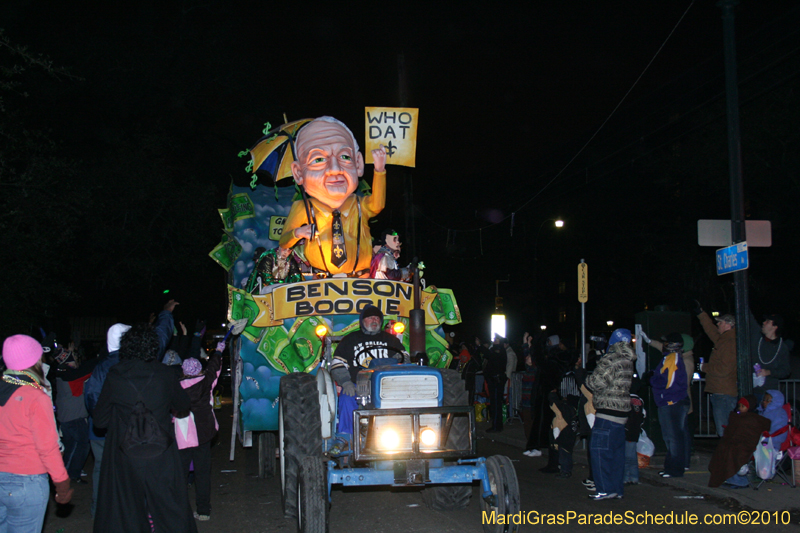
(633, 428)
(198, 384)
(772, 408)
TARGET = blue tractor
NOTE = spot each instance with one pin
(412, 427)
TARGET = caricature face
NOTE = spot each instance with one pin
(393, 243)
(328, 165)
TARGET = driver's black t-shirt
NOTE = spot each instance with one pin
(366, 347)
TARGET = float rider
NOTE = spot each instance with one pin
(384, 263)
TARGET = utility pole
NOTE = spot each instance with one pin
(738, 233)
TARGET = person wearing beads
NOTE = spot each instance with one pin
(28, 440)
(770, 351)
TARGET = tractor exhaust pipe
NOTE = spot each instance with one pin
(416, 324)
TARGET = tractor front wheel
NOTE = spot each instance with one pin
(452, 497)
(299, 432)
(505, 494)
(312, 496)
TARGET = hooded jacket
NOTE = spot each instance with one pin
(93, 385)
(610, 383)
(777, 417)
(358, 348)
(199, 390)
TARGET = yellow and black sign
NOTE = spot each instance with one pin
(396, 129)
(583, 283)
(338, 296)
(276, 227)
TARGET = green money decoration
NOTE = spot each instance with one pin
(226, 252)
(297, 350)
(241, 206)
(436, 348)
(305, 348)
(450, 311)
(272, 344)
(227, 219)
(242, 305)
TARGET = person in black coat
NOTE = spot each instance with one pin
(130, 490)
(495, 374)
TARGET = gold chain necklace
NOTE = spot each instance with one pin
(14, 380)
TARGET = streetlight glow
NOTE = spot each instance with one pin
(559, 223)
(498, 325)
(609, 323)
(543, 327)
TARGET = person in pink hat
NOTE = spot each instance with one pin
(28, 440)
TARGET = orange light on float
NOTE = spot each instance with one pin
(321, 330)
(398, 328)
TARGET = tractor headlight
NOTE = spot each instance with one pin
(428, 437)
(389, 439)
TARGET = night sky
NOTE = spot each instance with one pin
(161, 96)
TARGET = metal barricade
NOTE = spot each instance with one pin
(789, 388)
(705, 417)
(515, 396)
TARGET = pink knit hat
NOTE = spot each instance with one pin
(21, 352)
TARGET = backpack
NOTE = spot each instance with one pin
(144, 438)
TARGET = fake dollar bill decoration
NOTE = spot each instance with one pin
(226, 252)
(242, 207)
(227, 219)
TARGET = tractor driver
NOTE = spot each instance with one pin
(357, 349)
(328, 167)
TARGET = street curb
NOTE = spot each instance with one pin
(745, 497)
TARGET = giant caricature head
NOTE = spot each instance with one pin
(328, 161)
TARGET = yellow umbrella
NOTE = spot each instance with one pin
(274, 153)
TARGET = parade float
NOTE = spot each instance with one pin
(280, 336)
(301, 270)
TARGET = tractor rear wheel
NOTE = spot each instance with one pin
(451, 497)
(299, 432)
(266, 454)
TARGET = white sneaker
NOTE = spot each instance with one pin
(535, 453)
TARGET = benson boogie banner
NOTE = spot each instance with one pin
(348, 297)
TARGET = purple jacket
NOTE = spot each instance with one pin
(669, 381)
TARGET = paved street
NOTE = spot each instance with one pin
(243, 503)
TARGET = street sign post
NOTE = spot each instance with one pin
(732, 258)
(758, 233)
(583, 297)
